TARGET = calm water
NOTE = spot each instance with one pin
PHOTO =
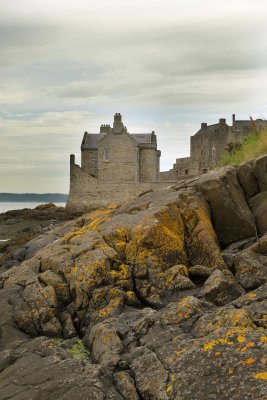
(6, 206)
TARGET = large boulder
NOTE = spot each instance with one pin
(251, 265)
(222, 288)
(258, 206)
(231, 216)
(247, 178)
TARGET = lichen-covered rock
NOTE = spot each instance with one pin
(222, 288)
(125, 385)
(146, 287)
(150, 376)
(251, 265)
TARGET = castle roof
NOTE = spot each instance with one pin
(90, 140)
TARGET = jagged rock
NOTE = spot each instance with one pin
(125, 385)
(232, 218)
(236, 247)
(260, 171)
(120, 278)
(258, 205)
(251, 265)
(222, 288)
(184, 310)
(38, 369)
(105, 344)
(150, 376)
(247, 179)
(199, 272)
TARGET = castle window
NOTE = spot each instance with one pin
(186, 171)
(204, 170)
(105, 154)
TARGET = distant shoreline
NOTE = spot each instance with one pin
(33, 197)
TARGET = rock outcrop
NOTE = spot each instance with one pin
(163, 297)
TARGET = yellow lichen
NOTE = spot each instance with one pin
(249, 361)
(261, 375)
(208, 346)
(169, 389)
(240, 339)
(251, 295)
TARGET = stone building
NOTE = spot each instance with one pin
(208, 145)
(115, 165)
(114, 155)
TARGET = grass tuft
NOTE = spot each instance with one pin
(252, 146)
(79, 351)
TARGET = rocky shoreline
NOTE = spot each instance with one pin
(163, 297)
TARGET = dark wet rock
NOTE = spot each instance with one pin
(235, 247)
(222, 288)
(199, 272)
(228, 259)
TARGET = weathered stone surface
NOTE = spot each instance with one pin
(150, 376)
(199, 272)
(247, 179)
(125, 385)
(258, 205)
(231, 215)
(251, 265)
(105, 343)
(146, 287)
(222, 288)
(39, 369)
(260, 171)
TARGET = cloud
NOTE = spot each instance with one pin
(67, 66)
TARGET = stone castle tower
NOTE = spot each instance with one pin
(115, 166)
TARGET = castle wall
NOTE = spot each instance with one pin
(148, 163)
(89, 161)
(87, 192)
(182, 166)
(206, 148)
(120, 162)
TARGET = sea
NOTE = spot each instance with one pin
(19, 205)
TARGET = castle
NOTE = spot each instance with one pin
(208, 145)
(117, 165)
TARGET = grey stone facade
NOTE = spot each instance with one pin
(208, 145)
(115, 166)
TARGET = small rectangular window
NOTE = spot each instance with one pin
(105, 154)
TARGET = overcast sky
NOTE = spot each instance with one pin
(67, 66)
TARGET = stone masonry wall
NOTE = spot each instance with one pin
(87, 192)
(121, 164)
(89, 161)
(148, 161)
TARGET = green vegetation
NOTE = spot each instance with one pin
(252, 146)
(77, 351)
